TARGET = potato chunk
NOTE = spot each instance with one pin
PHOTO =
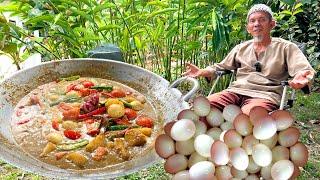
(95, 143)
(135, 137)
(77, 159)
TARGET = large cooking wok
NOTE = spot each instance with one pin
(167, 100)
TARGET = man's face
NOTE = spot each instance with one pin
(259, 24)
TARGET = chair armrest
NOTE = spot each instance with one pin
(223, 72)
(305, 89)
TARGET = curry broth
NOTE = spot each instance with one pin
(33, 121)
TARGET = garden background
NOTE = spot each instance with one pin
(161, 36)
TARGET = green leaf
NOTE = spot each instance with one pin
(108, 27)
(296, 12)
(103, 6)
(137, 42)
(289, 2)
(10, 48)
(42, 18)
(57, 18)
(286, 12)
(162, 11)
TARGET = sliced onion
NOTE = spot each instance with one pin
(194, 158)
(238, 174)
(252, 167)
(168, 126)
(280, 153)
(261, 155)
(202, 145)
(214, 133)
(201, 128)
(201, 106)
(223, 172)
(248, 143)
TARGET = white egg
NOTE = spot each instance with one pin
(264, 128)
(222, 135)
(266, 172)
(182, 175)
(214, 133)
(188, 114)
(201, 128)
(261, 155)
(226, 126)
(288, 137)
(239, 158)
(283, 119)
(248, 143)
(183, 130)
(185, 147)
(176, 163)
(252, 167)
(194, 158)
(202, 145)
(230, 112)
(220, 153)
(232, 138)
(271, 142)
(257, 113)
(223, 172)
(164, 146)
(201, 106)
(280, 153)
(238, 174)
(243, 125)
(215, 117)
(282, 169)
(203, 170)
(299, 154)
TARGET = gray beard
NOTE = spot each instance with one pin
(257, 39)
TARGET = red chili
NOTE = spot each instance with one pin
(23, 121)
(93, 132)
(71, 134)
(55, 124)
(71, 87)
(95, 112)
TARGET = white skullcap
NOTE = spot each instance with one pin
(260, 7)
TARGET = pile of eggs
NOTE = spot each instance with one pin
(205, 143)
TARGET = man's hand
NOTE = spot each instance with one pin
(194, 71)
(301, 79)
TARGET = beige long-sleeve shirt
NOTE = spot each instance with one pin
(282, 59)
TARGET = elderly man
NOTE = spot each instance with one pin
(261, 63)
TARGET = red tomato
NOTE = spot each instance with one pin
(122, 121)
(71, 134)
(87, 91)
(87, 84)
(130, 113)
(118, 93)
(71, 87)
(144, 121)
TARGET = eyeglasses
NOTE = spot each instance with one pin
(257, 65)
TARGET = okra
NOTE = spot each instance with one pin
(70, 78)
(117, 127)
(107, 88)
(72, 146)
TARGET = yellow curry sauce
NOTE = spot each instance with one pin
(84, 123)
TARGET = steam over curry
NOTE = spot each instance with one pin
(84, 123)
